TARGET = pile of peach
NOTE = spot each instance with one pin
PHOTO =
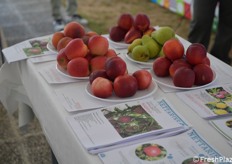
(129, 28)
(80, 52)
(115, 79)
(186, 70)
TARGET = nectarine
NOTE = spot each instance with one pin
(98, 45)
(76, 48)
(74, 30)
(78, 67)
(125, 86)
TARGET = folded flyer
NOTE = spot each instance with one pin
(210, 102)
(188, 147)
(224, 126)
(125, 122)
(30, 48)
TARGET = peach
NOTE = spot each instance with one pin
(114, 67)
(76, 48)
(111, 53)
(125, 21)
(206, 61)
(143, 78)
(97, 73)
(87, 35)
(173, 49)
(141, 22)
(98, 63)
(63, 43)
(161, 66)
(204, 74)
(56, 37)
(117, 34)
(132, 34)
(78, 67)
(125, 86)
(177, 64)
(196, 53)
(184, 77)
(74, 30)
(98, 45)
(62, 59)
(102, 87)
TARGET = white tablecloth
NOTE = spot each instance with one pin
(20, 82)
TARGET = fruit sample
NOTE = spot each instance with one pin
(98, 45)
(140, 53)
(184, 77)
(152, 46)
(135, 42)
(74, 30)
(176, 65)
(102, 87)
(149, 31)
(63, 43)
(196, 53)
(143, 78)
(56, 37)
(203, 73)
(97, 73)
(88, 35)
(114, 67)
(161, 66)
(98, 63)
(125, 86)
(125, 21)
(111, 53)
(117, 34)
(62, 59)
(141, 22)
(173, 49)
(76, 48)
(163, 34)
(131, 35)
(78, 67)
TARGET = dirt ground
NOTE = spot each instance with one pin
(103, 14)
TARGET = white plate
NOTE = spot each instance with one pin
(148, 63)
(167, 81)
(50, 47)
(138, 95)
(121, 44)
(64, 73)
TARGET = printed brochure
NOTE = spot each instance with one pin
(210, 102)
(126, 122)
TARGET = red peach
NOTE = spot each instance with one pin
(173, 49)
(98, 45)
(184, 77)
(62, 59)
(74, 30)
(125, 86)
(78, 67)
(161, 66)
(76, 48)
(143, 78)
(102, 87)
(125, 21)
(97, 63)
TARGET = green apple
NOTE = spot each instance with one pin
(163, 34)
(140, 53)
